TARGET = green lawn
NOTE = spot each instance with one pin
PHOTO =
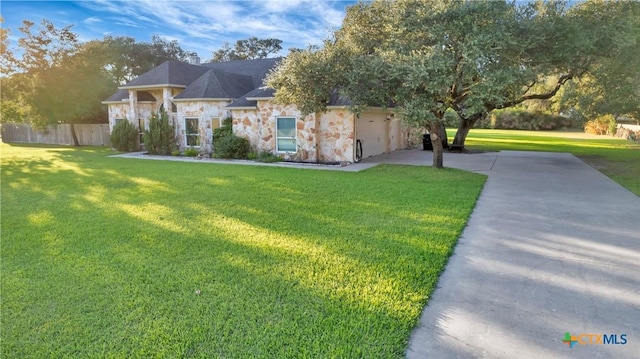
(103, 257)
(617, 158)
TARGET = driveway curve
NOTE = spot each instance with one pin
(552, 247)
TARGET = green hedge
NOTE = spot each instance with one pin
(517, 119)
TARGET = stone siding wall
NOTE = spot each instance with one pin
(117, 111)
(259, 127)
(336, 133)
(328, 137)
(207, 112)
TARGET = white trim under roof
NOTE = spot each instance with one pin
(151, 87)
(123, 101)
(201, 99)
(259, 98)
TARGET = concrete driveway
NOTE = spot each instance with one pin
(552, 247)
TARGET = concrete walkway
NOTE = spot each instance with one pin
(553, 246)
(481, 162)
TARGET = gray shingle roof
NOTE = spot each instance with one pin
(257, 69)
(230, 79)
(260, 92)
(265, 92)
(118, 96)
(168, 73)
(218, 84)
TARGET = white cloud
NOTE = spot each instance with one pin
(203, 26)
(92, 20)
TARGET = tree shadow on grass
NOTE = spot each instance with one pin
(135, 240)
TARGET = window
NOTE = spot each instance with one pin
(286, 134)
(117, 120)
(215, 122)
(191, 132)
(141, 128)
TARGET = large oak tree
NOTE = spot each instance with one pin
(425, 57)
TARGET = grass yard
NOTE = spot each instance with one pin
(110, 257)
(617, 158)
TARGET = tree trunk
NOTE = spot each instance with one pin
(436, 141)
(462, 132)
(443, 135)
(74, 136)
(466, 124)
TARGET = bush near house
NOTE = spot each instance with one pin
(160, 138)
(264, 156)
(190, 152)
(124, 136)
(227, 145)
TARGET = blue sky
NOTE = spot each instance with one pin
(198, 26)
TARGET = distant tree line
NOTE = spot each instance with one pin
(56, 78)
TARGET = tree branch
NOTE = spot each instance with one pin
(542, 96)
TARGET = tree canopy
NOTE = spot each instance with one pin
(247, 49)
(58, 79)
(426, 56)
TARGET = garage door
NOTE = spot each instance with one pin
(371, 130)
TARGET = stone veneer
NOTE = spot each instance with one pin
(209, 114)
(327, 137)
(205, 111)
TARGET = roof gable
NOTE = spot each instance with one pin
(217, 84)
(168, 73)
(257, 69)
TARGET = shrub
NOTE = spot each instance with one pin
(124, 136)
(228, 145)
(601, 126)
(190, 152)
(231, 146)
(224, 130)
(266, 157)
(160, 138)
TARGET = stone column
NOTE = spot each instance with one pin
(133, 107)
(166, 101)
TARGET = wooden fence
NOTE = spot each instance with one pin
(88, 134)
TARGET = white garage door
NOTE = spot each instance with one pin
(371, 130)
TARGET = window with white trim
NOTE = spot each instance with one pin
(286, 134)
(191, 132)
